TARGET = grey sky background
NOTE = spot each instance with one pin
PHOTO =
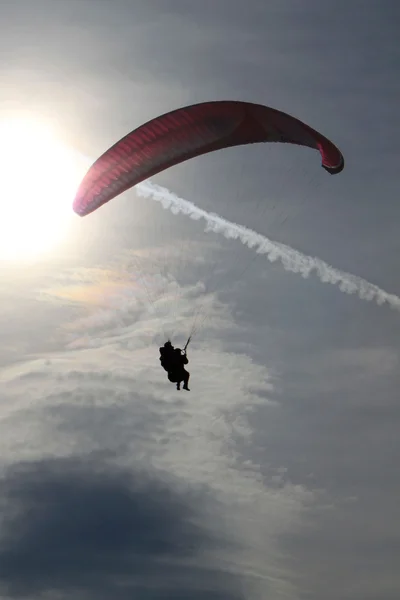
(277, 476)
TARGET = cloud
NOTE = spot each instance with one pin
(107, 391)
(76, 526)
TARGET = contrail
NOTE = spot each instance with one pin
(291, 259)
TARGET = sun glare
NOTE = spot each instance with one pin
(39, 177)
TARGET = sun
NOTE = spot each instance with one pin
(39, 177)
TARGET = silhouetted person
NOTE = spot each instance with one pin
(173, 361)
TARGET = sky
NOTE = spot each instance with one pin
(276, 477)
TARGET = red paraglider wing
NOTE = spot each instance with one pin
(188, 132)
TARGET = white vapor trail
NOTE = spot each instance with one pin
(291, 259)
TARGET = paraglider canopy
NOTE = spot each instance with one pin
(188, 132)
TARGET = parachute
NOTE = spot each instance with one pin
(189, 132)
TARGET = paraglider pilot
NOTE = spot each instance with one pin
(173, 361)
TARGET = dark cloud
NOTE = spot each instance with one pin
(77, 526)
